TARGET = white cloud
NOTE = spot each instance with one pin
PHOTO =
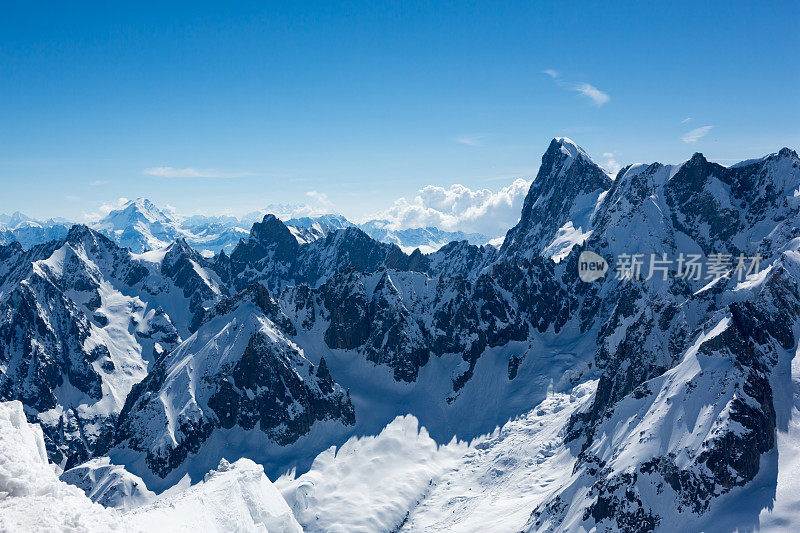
(91, 217)
(460, 208)
(105, 209)
(610, 163)
(470, 140)
(319, 200)
(686, 120)
(696, 134)
(584, 89)
(172, 172)
(593, 93)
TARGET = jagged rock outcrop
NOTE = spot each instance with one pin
(80, 319)
(667, 347)
(558, 208)
(239, 369)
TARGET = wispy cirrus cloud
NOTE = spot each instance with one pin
(686, 120)
(99, 183)
(190, 173)
(592, 93)
(696, 134)
(587, 90)
(470, 140)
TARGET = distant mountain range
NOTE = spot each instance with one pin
(29, 232)
(142, 226)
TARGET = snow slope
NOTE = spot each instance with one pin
(784, 514)
(108, 484)
(369, 483)
(502, 476)
(234, 497)
(31, 496)
(400, 480)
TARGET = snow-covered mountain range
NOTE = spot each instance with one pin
(471, 388)
(141, 226)
(28, 232)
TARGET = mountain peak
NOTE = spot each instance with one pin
(253, 293)
(78, 232)
(19, 218)
(567, 147)
(142, 202)
(181, 247)
(82, 234)
(271, 232)
(134, 211)
(562, 196)
(146, 208)
(269, 227)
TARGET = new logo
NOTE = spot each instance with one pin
(591, 266)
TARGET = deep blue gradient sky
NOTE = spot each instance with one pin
(367, 102)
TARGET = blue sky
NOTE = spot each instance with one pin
(211, 107)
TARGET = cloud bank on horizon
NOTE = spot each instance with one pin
(459, 208)
(453, 208)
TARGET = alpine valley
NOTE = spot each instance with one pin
(313, 374)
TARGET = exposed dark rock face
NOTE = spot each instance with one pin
(43, 348)
(237, 370)
(460, 259)
(275, 388)
(469, 317)
(649, 334)
(345, 298)
(40, 353)
(54, 348)
(382, 316)
(566, 176)
(727, 458)
(349, 248)
(697, 211)
(538, 294)
(396, 339)
(274, 235)
(273, 257)
(179, 265)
